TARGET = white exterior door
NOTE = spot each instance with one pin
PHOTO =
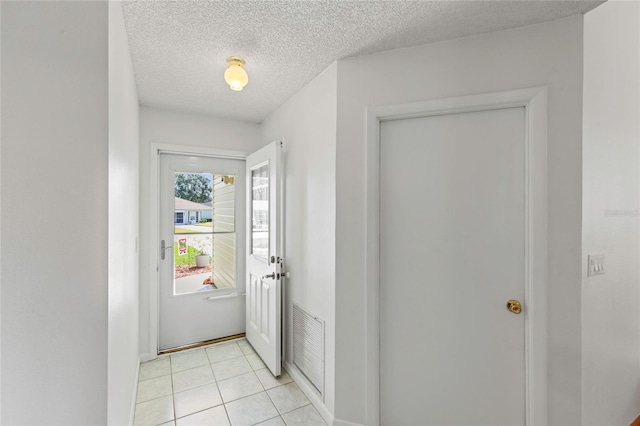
(201, 265)
(452, 254)
(264, 255)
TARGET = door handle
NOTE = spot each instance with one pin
(163, 249)
(272, 275)
(514, 306)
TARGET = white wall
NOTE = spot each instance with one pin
(549, 55)
(306, 124)
(0, 219)
(611, 146)
(123, 224)
(54, 209)
(157, 125)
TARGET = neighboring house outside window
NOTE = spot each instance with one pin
(189, 213)
(179, 218)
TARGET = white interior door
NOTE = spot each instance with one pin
(202, 264)
(264, 256)
(452, 253)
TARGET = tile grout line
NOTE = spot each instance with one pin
(302, 406)
(199, 411)
(173, 399)
(274, 405)
(272, 419)
(225, 411)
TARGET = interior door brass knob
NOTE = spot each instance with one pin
(514, 306)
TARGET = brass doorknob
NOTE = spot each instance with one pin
(514, 306)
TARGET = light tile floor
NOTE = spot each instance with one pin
(221, 384)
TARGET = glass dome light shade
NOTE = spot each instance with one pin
(235, 76)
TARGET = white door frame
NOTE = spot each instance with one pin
(534, 100)
(157, 148)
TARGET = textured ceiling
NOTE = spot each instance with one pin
(179, 48)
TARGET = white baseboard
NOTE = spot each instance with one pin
(310, 392)
(145, 357)
(135, 394)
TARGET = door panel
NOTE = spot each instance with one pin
(202, 261)
(264, 258)
(452, 250)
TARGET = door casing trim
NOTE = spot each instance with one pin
(534, 100)
(157, 148)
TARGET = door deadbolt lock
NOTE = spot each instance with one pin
(277, 276)
(514, 306)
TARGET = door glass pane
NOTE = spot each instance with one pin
(260, 212)
(204, 232)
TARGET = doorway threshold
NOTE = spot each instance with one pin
(197, 345)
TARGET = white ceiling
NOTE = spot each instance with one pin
(179, 48)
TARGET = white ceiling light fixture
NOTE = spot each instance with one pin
(235, 76)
